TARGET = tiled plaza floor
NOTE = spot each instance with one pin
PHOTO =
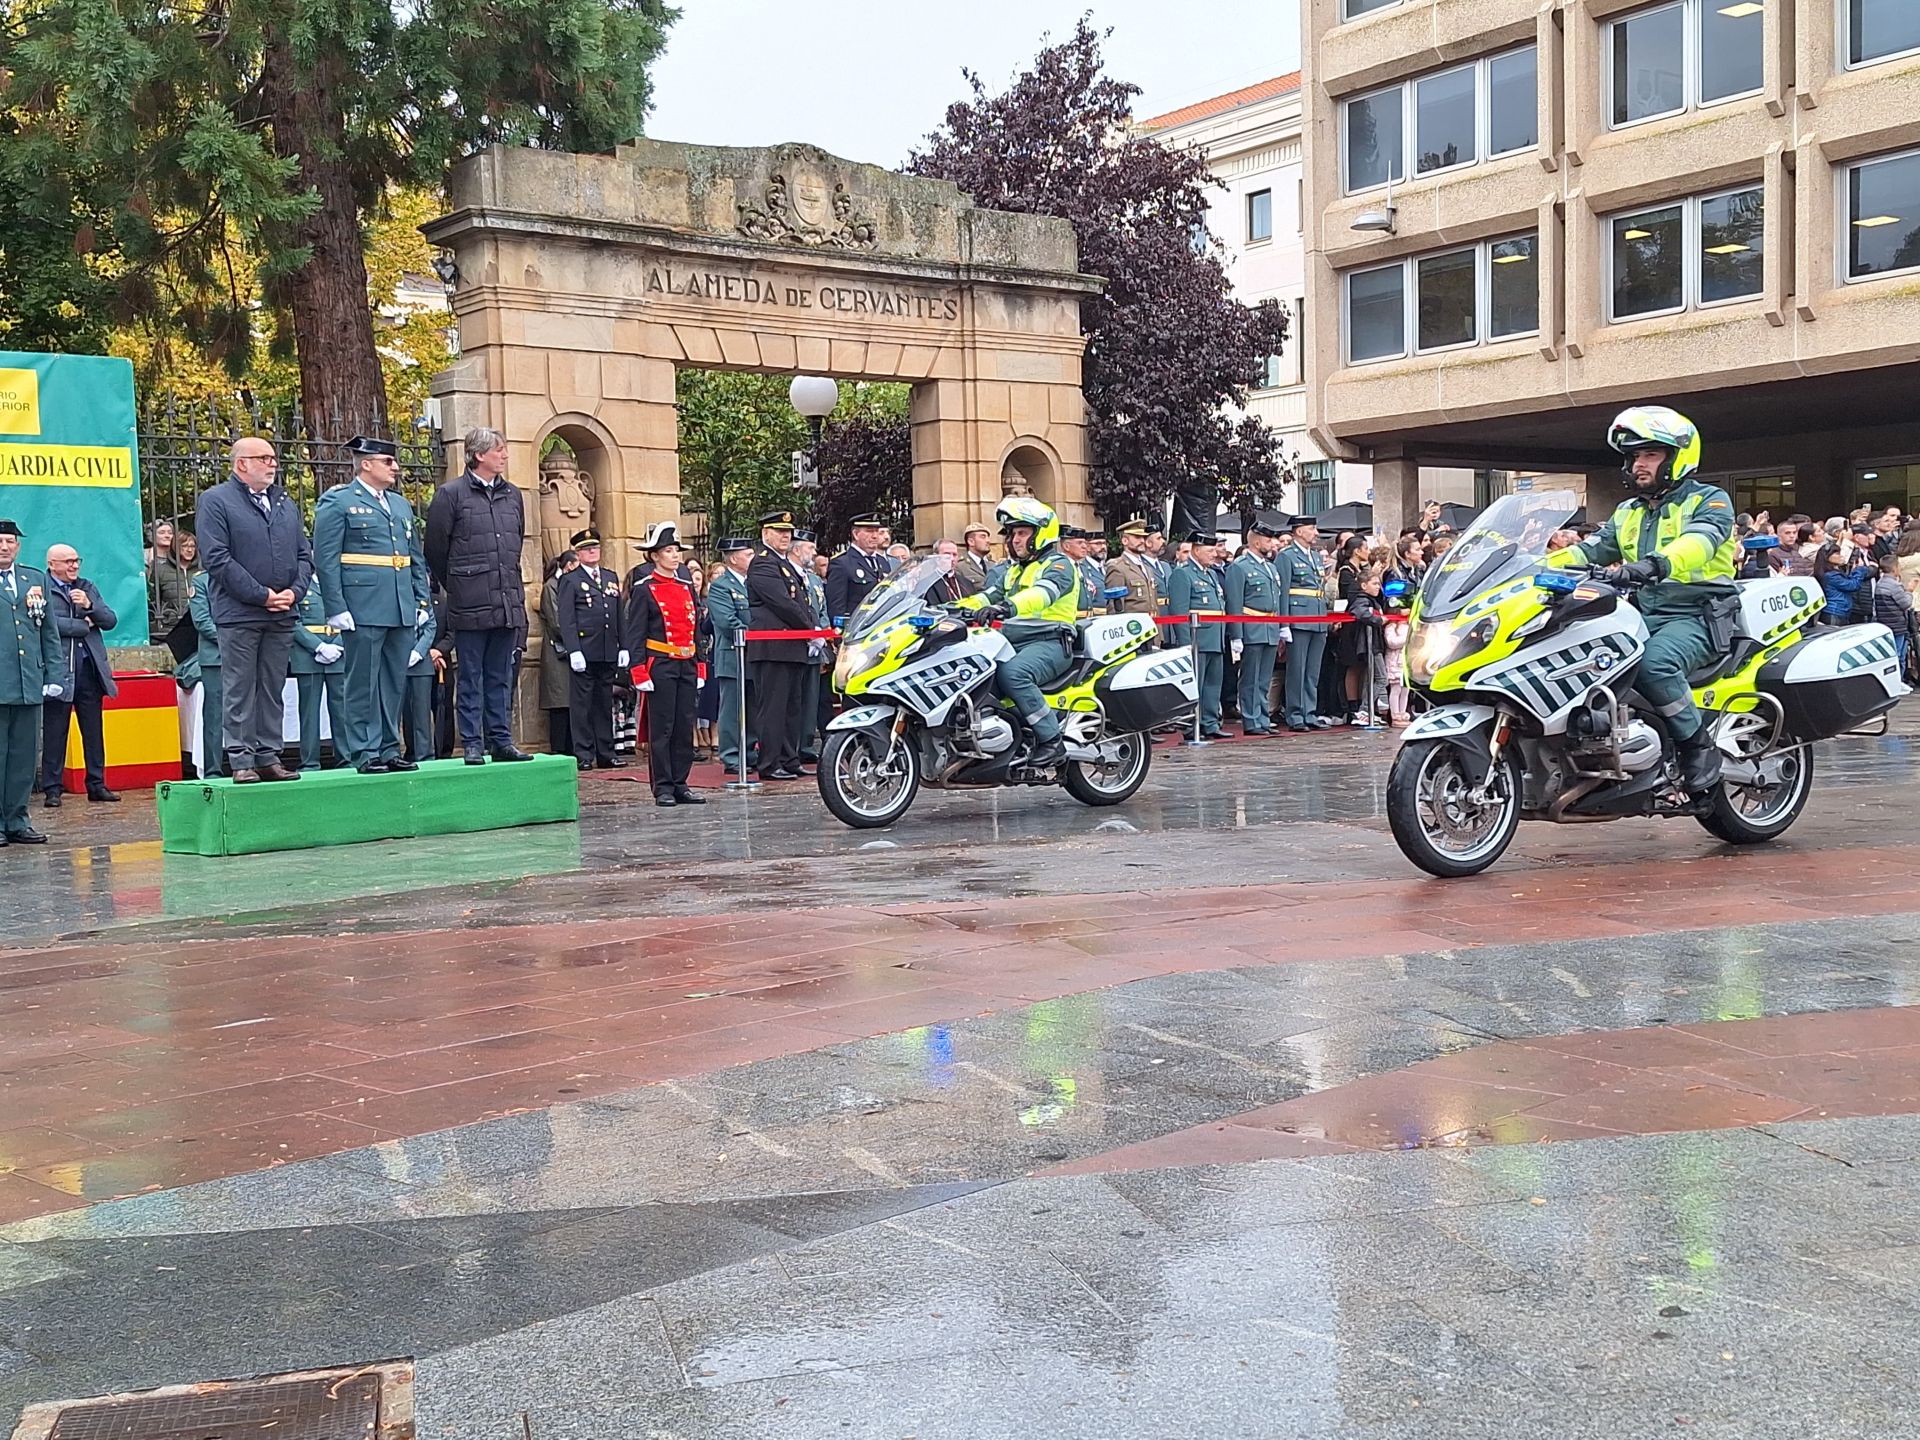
(1205, 1115)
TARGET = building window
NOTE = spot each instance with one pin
(1273, 372)
(1354, 9)
(1883, 216)
(1444, 301)
(1377, 313)
(1680, 56)
(1513, 285)
(1771, 492)
(1880, 29)
(1883, 486)
(1454, 117)
(1316, 486)
(1260, 216)
(1702, 251)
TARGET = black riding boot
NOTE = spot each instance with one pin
(1699, 763)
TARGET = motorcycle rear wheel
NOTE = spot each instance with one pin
(853, 786)
(1437, 827)
(1756, 815)
(1110, 784)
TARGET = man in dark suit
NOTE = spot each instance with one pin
(258, 566)
(77, 611)
(780, 602)
(857, 569)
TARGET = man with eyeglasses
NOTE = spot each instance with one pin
(77, 610)
(373, 584)
(258, 565)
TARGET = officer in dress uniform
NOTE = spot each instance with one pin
(1254, 589)
(857, 569)
(1193, 590)
(1132, 569)
(779, 596)
(812, 713)
(729, 611)
(425, 663)
(663, 624)
(1301, 580)
(1229, 666)
(372, 574)
(32, 667)
(593, 630)
(1093, 598)
(317, 664)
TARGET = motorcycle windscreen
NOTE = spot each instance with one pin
(1508, 539)
(899, 594)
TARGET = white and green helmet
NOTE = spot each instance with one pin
(1025, 510)
(1643, 425)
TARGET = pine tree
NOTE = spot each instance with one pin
(156, 138)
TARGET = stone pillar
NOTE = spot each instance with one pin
(1396, 495)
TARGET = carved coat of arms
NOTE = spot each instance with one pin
(801, 207)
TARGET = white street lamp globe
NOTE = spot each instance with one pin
(814, 396)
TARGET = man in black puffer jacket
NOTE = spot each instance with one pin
(476, 527)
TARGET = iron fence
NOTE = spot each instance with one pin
(184, 449)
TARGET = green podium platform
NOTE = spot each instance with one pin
(344, 807)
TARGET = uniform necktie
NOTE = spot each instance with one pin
(261, 503)
(12, 593)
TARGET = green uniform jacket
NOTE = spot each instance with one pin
(1093, 588)
(30, 649)
(201, 609)
(1254, 589)
(1192, 588)
(1692, 527)
(1299, 572)
(730, 609)
(310, 632)
(350, 531)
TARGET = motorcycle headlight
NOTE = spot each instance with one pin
(1433, 647)
(856, 659)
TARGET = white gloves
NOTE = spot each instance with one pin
(644, 686)
(413, 658)
(326, 652)
(1286, 633)
(578, 662)
(49, 691)
(623, 660)
(342, 621)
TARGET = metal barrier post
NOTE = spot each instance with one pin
(1194, 741)
(741, 782)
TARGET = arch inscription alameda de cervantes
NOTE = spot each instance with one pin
(585, 281)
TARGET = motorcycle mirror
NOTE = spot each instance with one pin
(1556, 581)
(1760, 542)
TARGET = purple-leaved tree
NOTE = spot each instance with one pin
(1170, 352)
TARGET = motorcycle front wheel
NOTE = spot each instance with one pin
(1439, 825)
(1093, 784)
(863, 785)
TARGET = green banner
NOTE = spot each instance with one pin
(70, 472)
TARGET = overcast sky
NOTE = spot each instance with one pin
(866, 79)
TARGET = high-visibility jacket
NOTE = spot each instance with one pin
(1046, 588)
(1691, 527)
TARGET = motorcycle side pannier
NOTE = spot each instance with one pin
(1835, 680)
(1150, 690)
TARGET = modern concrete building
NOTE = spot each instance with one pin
(1524, 214)
(1251, 140)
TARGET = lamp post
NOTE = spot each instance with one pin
(814, 396)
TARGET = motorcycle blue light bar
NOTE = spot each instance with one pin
(923, 622)
(1557, 581)
(1760, 542)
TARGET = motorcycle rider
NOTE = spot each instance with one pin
(1037, 595)
(1674, 536)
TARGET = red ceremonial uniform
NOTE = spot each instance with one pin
(663, 623)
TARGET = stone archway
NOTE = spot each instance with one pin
(1030, 467)
(584, 281)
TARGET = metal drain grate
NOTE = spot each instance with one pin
(371, 1403)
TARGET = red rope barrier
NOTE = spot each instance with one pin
(1208, 618)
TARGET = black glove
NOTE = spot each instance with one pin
(1638, 572)
(987, 614)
